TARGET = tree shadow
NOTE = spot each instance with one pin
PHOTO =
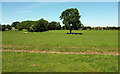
(75, 33)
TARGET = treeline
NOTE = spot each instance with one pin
(43, 25)
(38, 26)
(92, 28)
(5, 27)
(34, 26)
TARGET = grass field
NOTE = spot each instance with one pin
(89, 41)
(58, 40)
(38, 62)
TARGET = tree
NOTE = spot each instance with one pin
(31, 28)
(14, 24)
(37, 26)
(63, 28)
(0, 27)
(8, 27)
(41, 25)
(77, 26)
(19, 27)
(58, 26)
(27, 24)
(3, 27)
(71, 17)
(52, 25)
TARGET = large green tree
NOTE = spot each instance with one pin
(71, 17)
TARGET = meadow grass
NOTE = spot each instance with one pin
(39, 62)
(58, 40)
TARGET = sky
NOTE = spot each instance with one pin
(92, 13)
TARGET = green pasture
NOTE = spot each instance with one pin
(39, 62)
(58, 40)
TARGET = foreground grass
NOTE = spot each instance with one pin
(38, 62)
(58, 40)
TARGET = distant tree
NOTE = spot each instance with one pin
(14, 24)
(114, 28)
(52, 25)
(63, 28)
(84, 28)
(0, 27)
(37, 26)
(27, 24)
(118, 28)
(31, 28)
(19, 27)
(58, 26)
(3, 27)
(8, 27)
(41, 25)
(71, 17)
